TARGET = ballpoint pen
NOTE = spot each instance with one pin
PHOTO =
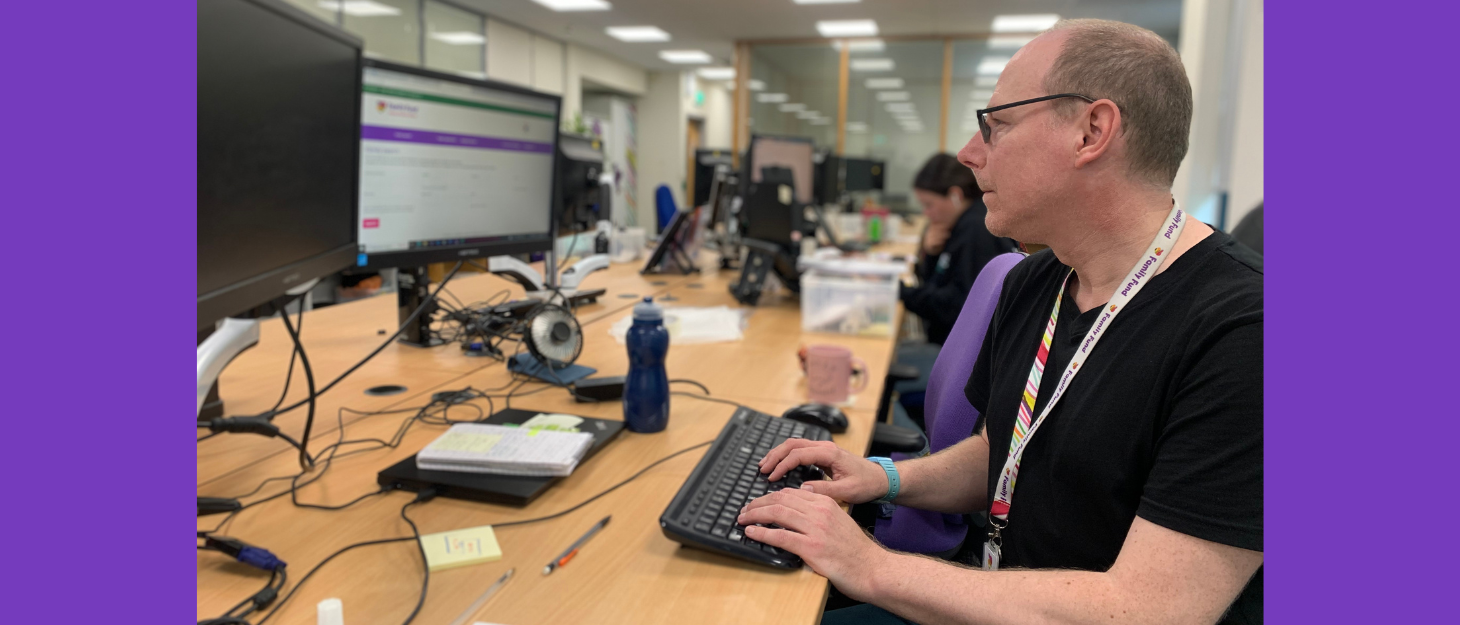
(573, 549)
(482, 600)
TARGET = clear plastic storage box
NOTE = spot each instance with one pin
(848, 304)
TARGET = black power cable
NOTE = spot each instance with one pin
(406, 324)
(304, 460)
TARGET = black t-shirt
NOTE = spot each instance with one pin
(948, 277)
(1164, 419)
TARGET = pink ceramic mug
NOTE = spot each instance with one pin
(829, 373)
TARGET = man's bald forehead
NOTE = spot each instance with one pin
(1025, 72)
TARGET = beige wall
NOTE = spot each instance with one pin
(1247, 162)
(662, 138)
(718, 113)
(1221, 46)
(509, 53)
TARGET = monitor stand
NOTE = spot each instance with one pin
(413, 286)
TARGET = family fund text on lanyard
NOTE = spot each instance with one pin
(1026, 425)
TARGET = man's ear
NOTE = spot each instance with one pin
(1099, 125)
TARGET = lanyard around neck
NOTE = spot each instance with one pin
(1025, 426)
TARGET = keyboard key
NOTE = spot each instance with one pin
(702, 526)
(720, 531)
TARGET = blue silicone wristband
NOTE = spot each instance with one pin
(893, 482)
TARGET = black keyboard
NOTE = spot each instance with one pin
(703, 512)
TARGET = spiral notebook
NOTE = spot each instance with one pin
(540, 451)
(500, 488)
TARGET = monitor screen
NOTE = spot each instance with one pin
(278, 161)
(863, 174)
(792, 154)
(452, 167)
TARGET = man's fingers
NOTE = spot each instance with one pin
(775, 456)
(783, 539)
(818, 455)
(778, 514)
(789, 497)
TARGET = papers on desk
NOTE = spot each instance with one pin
(534, 451)
(688, 325)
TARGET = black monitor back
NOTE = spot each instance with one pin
(278, 152)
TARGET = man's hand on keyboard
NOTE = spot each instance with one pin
(815, 528)
(849, 478)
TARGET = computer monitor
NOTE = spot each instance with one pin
(827, 184)
(278, 152)
(707, 162)
(453, 167)
(864, 174)
(581, 199)
(793, 153)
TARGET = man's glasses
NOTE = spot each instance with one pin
(983, 123)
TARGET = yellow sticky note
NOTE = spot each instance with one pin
(473, 545)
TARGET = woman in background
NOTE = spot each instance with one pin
(954, 248)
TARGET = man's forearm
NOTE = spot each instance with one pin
(928, 591)
(954, 480)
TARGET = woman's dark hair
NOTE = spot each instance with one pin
(943, 172)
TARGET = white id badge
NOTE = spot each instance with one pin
(990, 556)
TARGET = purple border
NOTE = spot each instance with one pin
(1357, 143)
(1361, 428)
(406, 135)
(101, 226)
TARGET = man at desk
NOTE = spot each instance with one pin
(1138, 496)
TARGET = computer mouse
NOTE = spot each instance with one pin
(827, 416)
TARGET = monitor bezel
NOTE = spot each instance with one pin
(237, 298)
(416, 258)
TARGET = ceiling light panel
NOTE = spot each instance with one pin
(893, 96)
(716, 73)
(360, 8)
(1031, 23)
(847, 28)
(685, 56)
(637, 33)
(1009, 42)
(808, 115)
(986, 81)
(755, 85)
(792, 107)
(772, 98)
(873, 65)
(575, 5)
(884, 83)
(857, 127)
(992, 66)
(861, 45)
(460, 38)
(900, 107)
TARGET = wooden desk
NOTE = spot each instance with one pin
(630, 573)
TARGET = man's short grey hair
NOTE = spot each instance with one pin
(1143, 75)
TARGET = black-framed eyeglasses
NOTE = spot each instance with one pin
(983, 124)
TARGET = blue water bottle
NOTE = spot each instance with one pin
(646, 391)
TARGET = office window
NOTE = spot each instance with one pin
(799, 91)
(455, 40)
(894, 103)
(390, 28)
(327, 11)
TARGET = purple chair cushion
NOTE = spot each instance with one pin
(948, 415)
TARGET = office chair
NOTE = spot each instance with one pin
(664, 207)
(949, 416)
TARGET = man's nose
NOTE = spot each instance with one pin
(974, 153)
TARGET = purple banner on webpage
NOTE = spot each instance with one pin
(381, 133)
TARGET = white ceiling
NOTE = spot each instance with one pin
(714, 26)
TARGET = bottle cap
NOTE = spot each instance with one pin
(331, 612)
(647, 310)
